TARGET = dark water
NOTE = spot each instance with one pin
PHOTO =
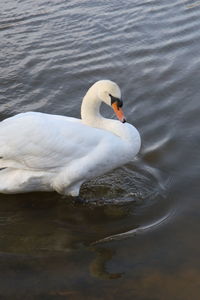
(138, 237)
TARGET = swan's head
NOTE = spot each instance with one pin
(109, 92)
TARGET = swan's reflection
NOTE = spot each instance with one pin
(98, 267)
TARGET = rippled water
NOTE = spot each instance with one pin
(137, 237)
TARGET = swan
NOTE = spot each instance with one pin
(44, 152)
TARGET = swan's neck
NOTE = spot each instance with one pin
(90, 107)
(90, 115)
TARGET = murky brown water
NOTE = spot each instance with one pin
(138, 235)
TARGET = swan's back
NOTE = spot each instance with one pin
(41, 141)
(35, 140)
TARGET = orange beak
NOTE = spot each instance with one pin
(119, 112)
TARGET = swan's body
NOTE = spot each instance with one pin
(43, 152)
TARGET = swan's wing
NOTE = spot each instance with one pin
(42, 141)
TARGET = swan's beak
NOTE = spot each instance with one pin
(119, 112)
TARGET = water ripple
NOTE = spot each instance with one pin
(52, 51)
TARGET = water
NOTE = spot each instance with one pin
(137, 237)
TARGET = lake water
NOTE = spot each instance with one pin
(137, 237)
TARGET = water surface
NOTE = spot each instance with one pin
(137, 237)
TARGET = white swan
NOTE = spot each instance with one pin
(43, 152)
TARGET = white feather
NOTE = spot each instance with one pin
(43, 152)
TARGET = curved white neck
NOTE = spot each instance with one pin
(90, 107)
(90, 115)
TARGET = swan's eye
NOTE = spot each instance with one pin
(118, 101)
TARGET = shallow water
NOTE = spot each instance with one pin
(137, 237)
